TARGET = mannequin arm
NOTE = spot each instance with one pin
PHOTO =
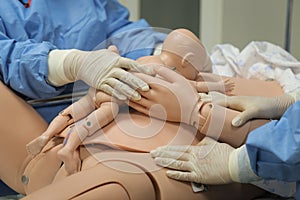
(107, 109)
(225, 86)
(71, 114)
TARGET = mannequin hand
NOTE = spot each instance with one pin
(171, 97)
(256, 107)
(102, 69)
(206, 163)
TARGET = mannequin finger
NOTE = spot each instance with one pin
(139, 108)
(143, 102)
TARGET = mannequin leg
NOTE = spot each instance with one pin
(19, 124)
(125, 175)
(99, 181)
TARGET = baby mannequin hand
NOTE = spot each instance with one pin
(101, 69)
(171, 97)
(256, 107)
(206, 163)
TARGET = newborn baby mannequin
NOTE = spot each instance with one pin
(184, 52)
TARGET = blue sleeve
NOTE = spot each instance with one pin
(24, 66)
(134, 39)
(274, 149)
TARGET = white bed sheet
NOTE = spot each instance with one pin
(259, 60)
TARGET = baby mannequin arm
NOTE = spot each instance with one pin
(182, 104)
(225, 86)
(106, 110)
(73, 113)
(84, 121)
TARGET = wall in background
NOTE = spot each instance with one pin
(134, 8)
(223, 21)
(172, 14)
(239, 22)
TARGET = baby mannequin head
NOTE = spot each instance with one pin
(181, 50)
(184, 51)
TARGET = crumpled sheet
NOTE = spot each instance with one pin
(258, 60)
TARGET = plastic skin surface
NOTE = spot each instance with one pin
(183, 52)
(19, 164)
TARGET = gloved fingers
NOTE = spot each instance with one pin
(178, 155)
(173, 164)
(168, 74)
(224, 101)
(207, 141)
(114, 49)
(130, 79)
(182, 176)
(121, 87)
(111, 91)
(175, 148)
(243, 117)
(135, 66)
(205, 97)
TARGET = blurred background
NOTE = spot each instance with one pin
(236, 22)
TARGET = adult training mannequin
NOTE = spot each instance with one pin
(13, 143)
(93, 176)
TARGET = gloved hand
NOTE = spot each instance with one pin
(256, 107)
(102, 69)
(171, 97)
(206, 163)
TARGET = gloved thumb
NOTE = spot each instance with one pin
(114, 49)
(133, 65)
(243, 117)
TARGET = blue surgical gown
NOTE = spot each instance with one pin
(28, 34)
(274, 149)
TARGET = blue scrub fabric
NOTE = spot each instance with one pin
(274, 149)
(27, 35)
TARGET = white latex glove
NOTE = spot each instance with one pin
(206, 163)
(257, 107)
(171, 97)
(102, 69)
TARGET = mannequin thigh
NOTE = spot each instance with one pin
(19, 124)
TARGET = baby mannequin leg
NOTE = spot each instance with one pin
(19, 124)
